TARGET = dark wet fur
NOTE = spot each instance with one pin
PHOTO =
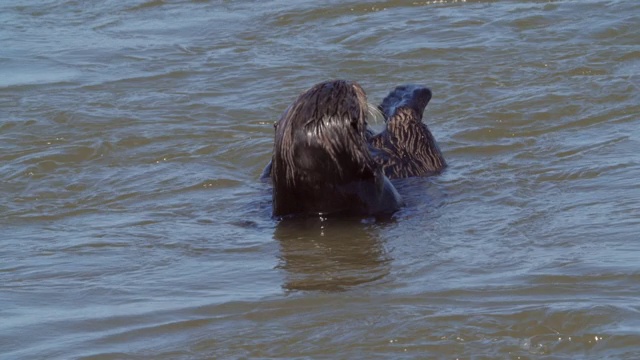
(321, 160)
(406, 147)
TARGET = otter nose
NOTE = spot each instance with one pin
(415, 96)
(422, 93)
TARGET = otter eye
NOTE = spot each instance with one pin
(354, 124)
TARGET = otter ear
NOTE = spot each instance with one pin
(414, 97)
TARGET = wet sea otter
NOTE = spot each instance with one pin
(322, 163)
(406, 147)
(326, 160)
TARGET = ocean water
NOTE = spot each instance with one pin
(133, 224)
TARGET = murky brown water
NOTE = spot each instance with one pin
(133, 224)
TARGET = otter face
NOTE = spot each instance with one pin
(406, 99)
(321, 160)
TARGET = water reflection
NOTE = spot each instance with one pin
(331, 254)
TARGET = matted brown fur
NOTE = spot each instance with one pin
(321, 160)
(406, 147)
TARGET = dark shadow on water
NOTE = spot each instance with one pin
(320, 254)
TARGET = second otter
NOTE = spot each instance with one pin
(406, 147)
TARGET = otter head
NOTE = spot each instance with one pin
(409, 101)
(321, 159)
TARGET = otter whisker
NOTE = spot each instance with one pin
(376, 116)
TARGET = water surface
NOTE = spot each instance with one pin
(134, 225)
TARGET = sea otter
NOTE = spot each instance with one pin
(326, 160)
(406, 147)
(322, 163)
